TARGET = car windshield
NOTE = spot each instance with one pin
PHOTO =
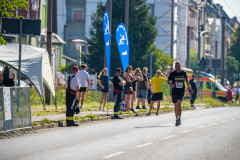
(219, 85)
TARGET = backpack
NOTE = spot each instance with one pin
(6, 74)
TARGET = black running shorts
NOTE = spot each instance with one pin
(157, 96)
(176, 97)
(82, 89)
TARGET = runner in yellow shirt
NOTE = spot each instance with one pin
(156, 89)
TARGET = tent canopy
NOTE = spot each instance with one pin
(35, 64)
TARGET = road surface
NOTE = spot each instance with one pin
(212, 134)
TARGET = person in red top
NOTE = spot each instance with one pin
(229, 94)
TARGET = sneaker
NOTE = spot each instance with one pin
(116, 117)
(156, 113)
(143, 107)
(131, 109)
(148, 114)
(177, 123)
(72, 124)
(138, 107)
(103, 109)
(99, 108)
(81, 107)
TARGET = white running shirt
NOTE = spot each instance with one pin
(82, 77)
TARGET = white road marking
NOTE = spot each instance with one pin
(168, 137)
(114, 154)
(187, 131)
(202, 127)
(213, 124)
(144, 145)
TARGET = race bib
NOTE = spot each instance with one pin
(179, 84)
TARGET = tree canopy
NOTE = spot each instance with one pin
(7, 6)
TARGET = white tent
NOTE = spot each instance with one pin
(35, 64)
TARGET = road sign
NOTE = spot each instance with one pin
(29, 26)
(194, 64)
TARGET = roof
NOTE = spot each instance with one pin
(55, 38)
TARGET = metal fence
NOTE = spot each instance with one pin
(15, 109)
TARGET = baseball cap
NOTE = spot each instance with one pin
(75, 68)
(118, 70)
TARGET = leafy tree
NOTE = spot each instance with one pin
(232, 65)
(234, 48)
(142, 33)
(7, 8)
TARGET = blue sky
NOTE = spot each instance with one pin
(233, 4)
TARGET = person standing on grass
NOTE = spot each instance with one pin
(156, 89)
(142, 89)
(118, 84)
(103, 82)
(138, 77)
(71, 97)
(83, 78)
(193, 93)
(176, 81)
(128, 89)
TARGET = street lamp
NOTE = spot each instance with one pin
(78, 43)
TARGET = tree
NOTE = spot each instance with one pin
(142, 34)
(7, 8)
(232, 66)
(234, 50)
(193, 57)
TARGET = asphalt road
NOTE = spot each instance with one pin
(205, 134)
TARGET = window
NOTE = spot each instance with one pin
(77, 15)
(210, 85)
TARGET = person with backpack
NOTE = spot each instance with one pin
(8, 76)
(73, 86)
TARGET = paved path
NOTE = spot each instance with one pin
(205, 134)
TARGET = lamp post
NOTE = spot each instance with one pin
(78, 43)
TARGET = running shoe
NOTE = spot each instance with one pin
(177, 123)
(148, 114)
(156, 113)
(180, 122)
(138, 107)
(116, 117)
(143, 107)
(131, 109)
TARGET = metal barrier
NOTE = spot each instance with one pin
(15, 110)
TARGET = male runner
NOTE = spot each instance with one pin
(176, 81)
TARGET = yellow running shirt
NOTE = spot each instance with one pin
(157, 84)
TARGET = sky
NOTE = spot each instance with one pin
(231, 7)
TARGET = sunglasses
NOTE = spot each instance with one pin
(129, 68)
(104, 71)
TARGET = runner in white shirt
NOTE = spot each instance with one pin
(83, 78)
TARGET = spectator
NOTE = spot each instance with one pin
(8, 76)
(1, 79)
(103, 82)
(83, 78)
(118, 84)
(142, 87)
(138, 77)
(237, 94)
(229, 95)
(128, 89)
(193, 92)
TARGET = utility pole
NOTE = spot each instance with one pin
(188, 48)
(172, 21)
(223, 51)
(126, 20)
(199, 35)
(49, 46)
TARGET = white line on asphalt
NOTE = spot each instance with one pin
(114, 154)
(168, 137)
(202, 127)
(144, 145)
(187, 131)
(213, 124)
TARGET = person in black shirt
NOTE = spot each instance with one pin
(176, 81)
(193, 92)
(118, 84)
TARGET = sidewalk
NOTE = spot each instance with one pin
(57, 117)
